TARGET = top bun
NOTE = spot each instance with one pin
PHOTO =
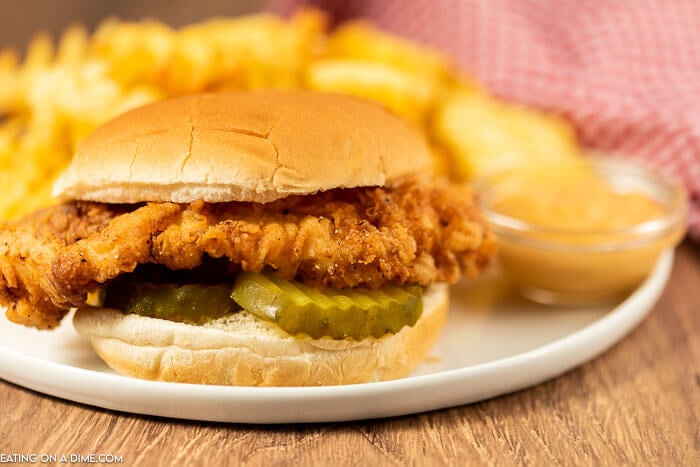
(247, 146)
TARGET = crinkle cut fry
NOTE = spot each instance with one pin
(342, 238)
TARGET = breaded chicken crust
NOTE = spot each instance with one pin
(365, 237)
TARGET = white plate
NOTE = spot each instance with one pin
(481, 354)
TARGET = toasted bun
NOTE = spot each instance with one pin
(242, 350)
(247, 146)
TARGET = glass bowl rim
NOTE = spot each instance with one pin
(522, 231)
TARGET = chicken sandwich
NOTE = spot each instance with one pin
(261, 238)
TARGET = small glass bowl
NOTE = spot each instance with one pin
(580, 267)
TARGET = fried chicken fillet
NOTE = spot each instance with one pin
(416, 234)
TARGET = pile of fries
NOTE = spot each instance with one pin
(55, 95)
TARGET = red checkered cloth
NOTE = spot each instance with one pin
(626, 73)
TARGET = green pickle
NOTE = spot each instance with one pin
(338, 313)
(191, 303)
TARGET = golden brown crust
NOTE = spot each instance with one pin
(247, 146)
(341, 238)
(245, 351)
(27, 250)
(362, 237)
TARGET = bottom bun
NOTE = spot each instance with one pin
(242, 350)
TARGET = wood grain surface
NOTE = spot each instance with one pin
(638, 404)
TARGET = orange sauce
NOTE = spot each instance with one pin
(582, 246)
(581, 202)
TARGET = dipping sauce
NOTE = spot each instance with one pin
(583, 233)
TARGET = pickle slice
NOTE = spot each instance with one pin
(338, 313)
(191, 303)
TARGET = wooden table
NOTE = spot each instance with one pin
(637, 404)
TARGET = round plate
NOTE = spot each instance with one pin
(494, 343)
